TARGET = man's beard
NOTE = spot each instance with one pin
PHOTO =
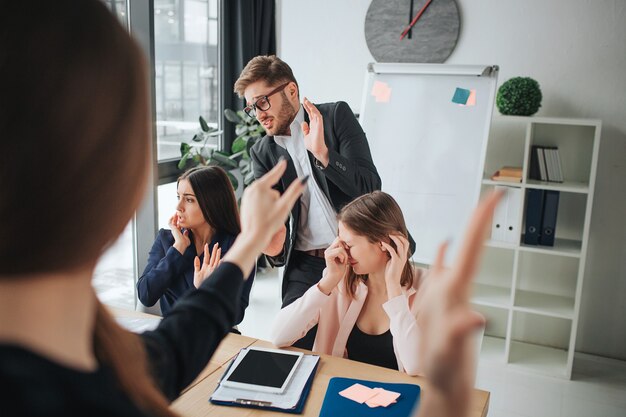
(285, 117)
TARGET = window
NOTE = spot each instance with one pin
(186, 40)
(186, 83)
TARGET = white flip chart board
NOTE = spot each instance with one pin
(427, 126)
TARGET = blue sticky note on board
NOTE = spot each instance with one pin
(461, 95)
(335, 405)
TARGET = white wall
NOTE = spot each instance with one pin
(576, 49)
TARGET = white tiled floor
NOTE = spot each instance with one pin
(597, 388)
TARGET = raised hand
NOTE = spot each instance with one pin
(336, 266)
(448, 322)
(314, 133)
(395, 264)
(181, 238)
(201, 272)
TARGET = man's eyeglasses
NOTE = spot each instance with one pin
(263, 103)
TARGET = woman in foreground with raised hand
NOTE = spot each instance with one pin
(61, 351)
(448, 323)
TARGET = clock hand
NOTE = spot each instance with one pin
(411, 17)
(417, 16)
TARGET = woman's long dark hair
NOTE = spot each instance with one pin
(215, 196)
(375, 215)
(74, 154)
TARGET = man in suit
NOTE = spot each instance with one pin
(323, 141)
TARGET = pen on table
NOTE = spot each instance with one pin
(258, 403)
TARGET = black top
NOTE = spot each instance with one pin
(169, 274)
(373, 349)
(31, 385)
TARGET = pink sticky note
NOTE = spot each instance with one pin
(381, 91)
(383, 398)
(378, 87)
(471, 100)
(359, 393)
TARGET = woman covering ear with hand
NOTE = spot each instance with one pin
(364, 304)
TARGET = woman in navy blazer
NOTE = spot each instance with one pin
(203, 228)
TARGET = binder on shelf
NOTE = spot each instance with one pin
(533, 170)
(549, 164)
(555, 170)
(553, 164)
(548, 224)
(499, 217)
(291, 401)
(558, 166)
(511, 226)
(335, 405)
(534, 213)
(543, 174)
(505, 223)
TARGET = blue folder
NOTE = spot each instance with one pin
(534, 216)
(550, 210)
(335, 405)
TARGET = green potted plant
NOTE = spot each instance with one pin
(519, 96)
(248, 131)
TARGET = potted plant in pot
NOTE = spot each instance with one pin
(236, 161)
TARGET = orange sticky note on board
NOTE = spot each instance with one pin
(471, 100)
(359, 393)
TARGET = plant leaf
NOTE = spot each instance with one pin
(184, 148)
(249, 145)
(231, 116)
(223, 160)
(197, 137)
(233, 180)
(240, 144)
(183, 161)
(241, 129)
(203, 124)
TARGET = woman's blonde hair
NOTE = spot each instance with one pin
(375, 216)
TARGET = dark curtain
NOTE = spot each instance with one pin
(249, 30)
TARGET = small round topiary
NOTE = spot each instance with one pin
(519, 96)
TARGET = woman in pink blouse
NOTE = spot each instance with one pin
(366, 304)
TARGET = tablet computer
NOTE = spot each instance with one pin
(266, 370)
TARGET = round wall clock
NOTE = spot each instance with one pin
(431, 39)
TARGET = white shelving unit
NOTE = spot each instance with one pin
(531, 294)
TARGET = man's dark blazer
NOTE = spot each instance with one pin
(350, 172)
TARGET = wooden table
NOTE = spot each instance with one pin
(195, 402)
